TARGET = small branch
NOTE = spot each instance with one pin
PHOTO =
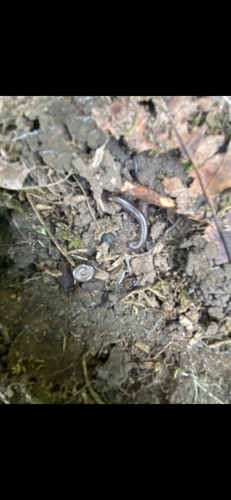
(28, 188)
(50, 234)
(94, 395)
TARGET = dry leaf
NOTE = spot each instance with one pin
(13, 175)
(184, 203)
(98, 156)
(185, 123)
(212, 235)
(144, 265)
(181, 108)
(215, 174)
(144, 132)
(128, 119)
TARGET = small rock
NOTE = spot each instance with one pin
(212, 329)
(216, 312)
(116, 369)
(156, 230)
(108, 238)
(161, 262)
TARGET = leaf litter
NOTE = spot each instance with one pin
(200, 128)
(182, 295)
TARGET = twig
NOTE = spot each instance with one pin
(23, 136)
(161, 351)
(50, 234)
(86, 198)
(50, 201)
(64, 343)
(94, 395)
(47, 185)
(208, 392)
(204, 189)
(75, 394)
(219, 343)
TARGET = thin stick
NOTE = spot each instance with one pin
(94, 395)
(50, 234)
(86, 198)
(47, 185)
(64, 343)
(161, 351)
(204, 189)
(208, 392)
(219, 343)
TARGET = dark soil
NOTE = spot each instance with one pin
(152, 327)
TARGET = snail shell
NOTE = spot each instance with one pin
(83, 272)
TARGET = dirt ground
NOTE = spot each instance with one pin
(153, 326)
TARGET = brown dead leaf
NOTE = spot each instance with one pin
(218, 173)
(181, 108)
(144, 132)
(212, 235)
(212, 173)
(169, 131)
(13, 175)
(128, 119)
(215, 174)
(184, 202)
(180, 124)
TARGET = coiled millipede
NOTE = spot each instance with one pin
(83, 272)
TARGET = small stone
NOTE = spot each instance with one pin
(216, 312)
(156, 230)
(116, 369)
